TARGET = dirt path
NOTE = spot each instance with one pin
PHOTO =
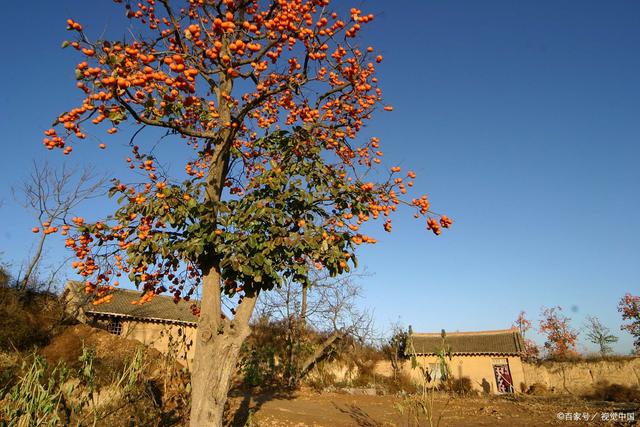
(336, 410)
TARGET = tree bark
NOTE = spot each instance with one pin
(320, 354)
(218, 340)
(24, 282)
(217, 347)
(303, 307)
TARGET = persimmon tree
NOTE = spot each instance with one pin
(267, 98)
(629, 307)
(561, 339)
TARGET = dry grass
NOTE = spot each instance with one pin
(576, 358)
(27, 319)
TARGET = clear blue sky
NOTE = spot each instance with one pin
(522, 120)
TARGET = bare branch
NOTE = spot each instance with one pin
(52, 195)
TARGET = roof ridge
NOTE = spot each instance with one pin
(485, 332)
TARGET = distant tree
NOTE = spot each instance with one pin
(629, 306)
(51, 196)
(560, 337)
(523, 325)
(328, 306)
(395, 349)
(600, 335)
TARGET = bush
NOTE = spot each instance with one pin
(266, 358)
(258, 366)
(538, 389)
(363, 362)
(28, 319)
(321, 379)
(9, 369)
(615, 393)
(569, 356)
(461, 386)
(402, 383)
(597, 357)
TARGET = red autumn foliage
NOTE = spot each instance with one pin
(629, 306)
(561, 339)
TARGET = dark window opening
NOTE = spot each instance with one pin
(115, 327)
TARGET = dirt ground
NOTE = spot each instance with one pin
(307, 408)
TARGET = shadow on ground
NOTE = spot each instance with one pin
(357, 414)
(252, 402)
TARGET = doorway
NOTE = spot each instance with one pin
(502, 373)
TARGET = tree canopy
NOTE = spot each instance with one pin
(268, 99)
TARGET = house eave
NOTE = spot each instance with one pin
(155, 319)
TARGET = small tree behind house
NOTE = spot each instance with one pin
(396, 351)
(311, 323)
(561, 339)
(532, 352)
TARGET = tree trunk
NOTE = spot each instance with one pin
(320, 354)
(217, 347)
(218, 340)
(303, 307)
(24, 282)
(211, 381)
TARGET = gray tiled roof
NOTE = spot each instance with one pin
(504, 342)
(161, 307)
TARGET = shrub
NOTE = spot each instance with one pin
(25, 319)
(9, 369)
(461, 386)
(538, 389)
(268, 357)
(363, 362)
(402, 383)
(321, 379)
(615, 393)
(568, 356)
(258, 366)
(597, 357)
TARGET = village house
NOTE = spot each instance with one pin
(160, 323)
(492, 360)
